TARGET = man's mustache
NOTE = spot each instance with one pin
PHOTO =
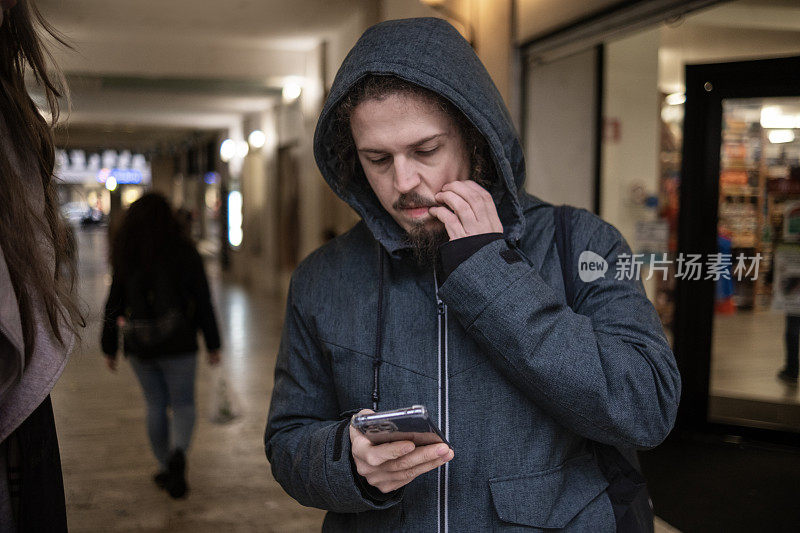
(413, 200)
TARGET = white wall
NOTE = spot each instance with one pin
(631, 99)
(559, 147)
(538, 17)
(403, 9)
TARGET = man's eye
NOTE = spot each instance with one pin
(427, 152)
(379, 161)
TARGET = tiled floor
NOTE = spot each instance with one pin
(106, 460)
(748, 350)
(100, 416)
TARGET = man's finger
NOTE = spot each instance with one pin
(380, 453)
(451, 222)
(482, 205)
(475, 186)
(459, 205)
(480, 199)
(425, 467)
(395, 480)
(358, 442)
(483, 196)
(422, 454)
(468, 193)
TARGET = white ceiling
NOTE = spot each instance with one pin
(292, 25)
(137, 62)
(739, 30)
(771, 15)
(538, 17)
(263, 43)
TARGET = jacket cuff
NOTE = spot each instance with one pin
(455, 252)
(477, 282)
(343, 478)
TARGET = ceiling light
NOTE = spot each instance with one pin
(257, 138)
(676, 98)
(227, 150)
(235, 218)
(291, 91)
(111, 183)
(772, 116)
(781, 136)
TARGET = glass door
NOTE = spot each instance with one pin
(754, 351)
(737, 326)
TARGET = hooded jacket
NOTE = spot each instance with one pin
(520, 382)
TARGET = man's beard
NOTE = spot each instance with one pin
(424, 237)
(425, 240)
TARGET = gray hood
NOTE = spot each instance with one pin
(431, 53)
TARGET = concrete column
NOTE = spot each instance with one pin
(491, 20)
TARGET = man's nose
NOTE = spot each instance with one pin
(406, 177)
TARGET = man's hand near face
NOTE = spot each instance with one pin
(392, 465)
(471, 210)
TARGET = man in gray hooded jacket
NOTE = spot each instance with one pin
(534, 389)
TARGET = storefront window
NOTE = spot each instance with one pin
(757, 306)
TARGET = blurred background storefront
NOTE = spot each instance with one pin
(627, 158)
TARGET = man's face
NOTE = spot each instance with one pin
(409, 148)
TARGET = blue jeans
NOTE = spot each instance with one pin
(168, 382)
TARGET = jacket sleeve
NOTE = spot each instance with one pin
(205, 309)
(605, 370)
(114, 308)
(307, 441)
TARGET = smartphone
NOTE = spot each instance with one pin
(412, 423)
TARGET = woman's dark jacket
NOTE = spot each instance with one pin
(179, 278)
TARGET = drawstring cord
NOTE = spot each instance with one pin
(376, 363)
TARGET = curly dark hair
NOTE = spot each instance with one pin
(378, 87)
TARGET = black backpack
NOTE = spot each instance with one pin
(627, 488)
(157, 310)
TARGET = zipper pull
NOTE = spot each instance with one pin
(440, 307)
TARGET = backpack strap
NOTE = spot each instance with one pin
(563, 237)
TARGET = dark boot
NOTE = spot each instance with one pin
(788, 377)
(176, 482)
(161, 479)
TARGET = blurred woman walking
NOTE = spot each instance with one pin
(160, 298)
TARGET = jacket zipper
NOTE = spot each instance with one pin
(443, 472)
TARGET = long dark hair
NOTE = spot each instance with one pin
(44, 274)
(149, 236)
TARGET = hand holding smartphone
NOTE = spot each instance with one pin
(388, 463)
(411, 423)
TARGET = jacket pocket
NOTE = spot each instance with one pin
(551, 498)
